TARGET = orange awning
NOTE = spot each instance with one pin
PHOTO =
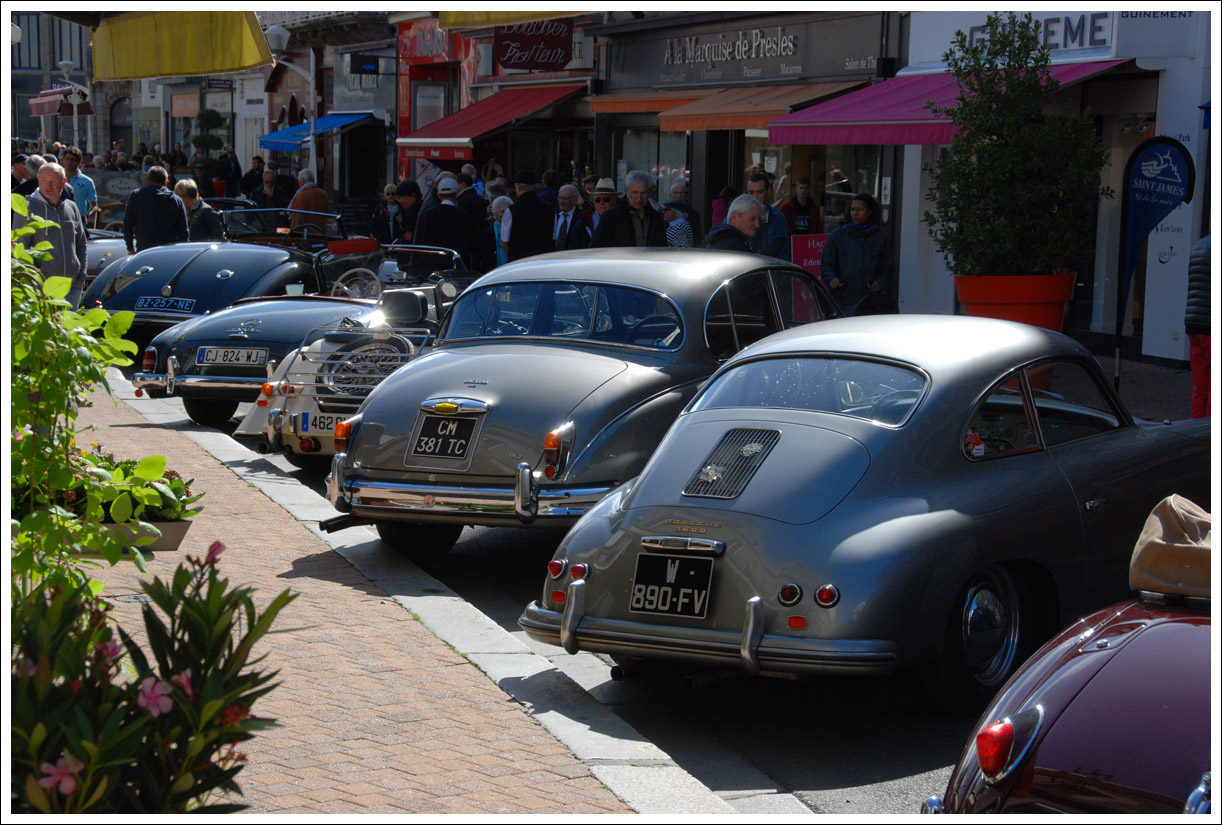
(747, 108)
(620, 102)
(481, 19)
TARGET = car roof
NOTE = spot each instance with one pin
(682, 274)
(939, 344)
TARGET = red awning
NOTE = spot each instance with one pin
(894, 111)
(55, 102)
(634, 102)
(749, 107)
(452, 137)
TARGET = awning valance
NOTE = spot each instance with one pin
(746, 107)
(290, 139)
(445, 138)
(481, 19)
(623, 102)
(139, 44)
(56, 102)
(894, 111)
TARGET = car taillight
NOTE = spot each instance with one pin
(789, 594)
(553, 451)
(343, 431)
(268, 389)
(556, 567)
(578, 571)
(993, 746)
(308, 445)
(827, 595)
(150, 360)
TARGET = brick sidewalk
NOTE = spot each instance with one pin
(376, 714)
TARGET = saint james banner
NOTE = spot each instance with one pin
(544, 45)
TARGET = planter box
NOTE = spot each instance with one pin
(1032, 299)
(172, 534)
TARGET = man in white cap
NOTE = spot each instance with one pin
(604, 198)
(445, 224)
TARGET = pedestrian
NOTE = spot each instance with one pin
(551, 187)
(469, 170)
(431, 199)
(28, 186)
(310, 197)
(857, 260)
(203, 224)
(83, 191)
(407, 193)
(270, 195)
(446, 225)
(67, 240)
(179, 156)
(499, 205)
(632, 222)
(1198, 325)
(471, 201)
(588, 184)
(203, 180)
(154, 216)
(382, 223)
(122, 164)
(604, 198)
(722, 203)
(526, 228)
(802, 215)
(571, 231)
(773, 236)
(741, 225)
(680, 190)
(232, 175)
(19, 171)
(253, 179)
(678, 226)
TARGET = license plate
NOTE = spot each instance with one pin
(320, 422)
(672, 585)
(240, 356)
(444, 436)
(172, 304)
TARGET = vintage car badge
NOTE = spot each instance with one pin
(247, 328)
(751, 449)
(710, 473)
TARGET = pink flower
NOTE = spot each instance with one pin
(214, 552)
(183, 680)
(26, 667)
(62, 773)
(154, 696)
(112, 650)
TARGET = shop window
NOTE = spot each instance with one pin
(662, 154)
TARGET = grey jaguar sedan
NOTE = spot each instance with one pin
(553, 380)
(869, 494)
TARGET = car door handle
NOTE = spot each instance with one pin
(1094, 504)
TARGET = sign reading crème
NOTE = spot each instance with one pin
(544, 45)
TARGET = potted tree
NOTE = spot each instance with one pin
(1015, 193)
(205, 141)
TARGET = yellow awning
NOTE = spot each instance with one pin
(167, 44)
(480, 19)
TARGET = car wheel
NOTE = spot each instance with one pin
(988, 634)
(360, 365)
(207, 412)
(419, 541)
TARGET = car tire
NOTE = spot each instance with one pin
(419, 541)
(989, 633)
(362, 360)
(208, 412)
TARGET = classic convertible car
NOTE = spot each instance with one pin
(216, 360)
(870, 494)
(552, 381)
(1111, 716)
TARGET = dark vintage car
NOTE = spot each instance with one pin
(870, 494)
(552, 381)
(218, 359)
(1113, 715)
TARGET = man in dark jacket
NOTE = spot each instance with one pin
(631, 222)
(203, 224)
(572, 232)
(742, 223)
(446, 225)
(253, 179)
(526, 227)
(155, 216)
(471, 202)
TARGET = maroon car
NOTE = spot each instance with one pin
(1111, 716)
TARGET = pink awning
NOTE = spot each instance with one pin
(894, 111)
(55, 102)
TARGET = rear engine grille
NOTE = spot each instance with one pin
(726, 470)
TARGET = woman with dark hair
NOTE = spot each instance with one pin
(857, 261)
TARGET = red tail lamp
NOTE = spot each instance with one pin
(993, 746)
(579, 571)
(827, 595)
(553, 451)
(789, 594)
(343, 431)
(556, 567)
(308, 445)
(558, 597)
(150, 360)
(268, 389)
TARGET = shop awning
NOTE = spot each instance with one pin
(481, 19)
(290, 139)
(746, 108)
(445, 138)
(622, 102)
(138, 44)
(894, 111)
(55, 102)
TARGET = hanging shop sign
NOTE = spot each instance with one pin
(544, 45)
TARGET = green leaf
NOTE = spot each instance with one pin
(19, 205)
(184, 783)
(121, 508)
(57, 286)
(151, 468)
(37, 735)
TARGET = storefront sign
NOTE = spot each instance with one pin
(1088, 33)
(1158, 177)
(545, 45)
(807, 252)
(185, 105)
(1157, 33)
(420, 42)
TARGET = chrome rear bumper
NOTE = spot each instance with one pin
(172, 379)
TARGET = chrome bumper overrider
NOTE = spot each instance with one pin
(751, 648)
(173, 378)
(525, 501)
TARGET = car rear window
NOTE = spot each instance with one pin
(569, 311)
(878, 391)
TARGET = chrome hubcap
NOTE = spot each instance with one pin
(990, 627)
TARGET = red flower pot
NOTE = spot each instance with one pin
(1032, 299)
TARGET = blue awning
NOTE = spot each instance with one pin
(290, 139)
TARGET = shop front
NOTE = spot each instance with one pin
(691, 96)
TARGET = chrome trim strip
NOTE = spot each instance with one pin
(336, 494)
(574, 609)
(466, 406)
(398, 498)
(171, 372)
(149, 379)
(682, 543)
(525, 494)
(753, 634)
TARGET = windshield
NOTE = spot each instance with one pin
(244, 223)
(877, 391)
(573, 311)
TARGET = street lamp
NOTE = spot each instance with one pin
(78, 94)
(278, 41)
